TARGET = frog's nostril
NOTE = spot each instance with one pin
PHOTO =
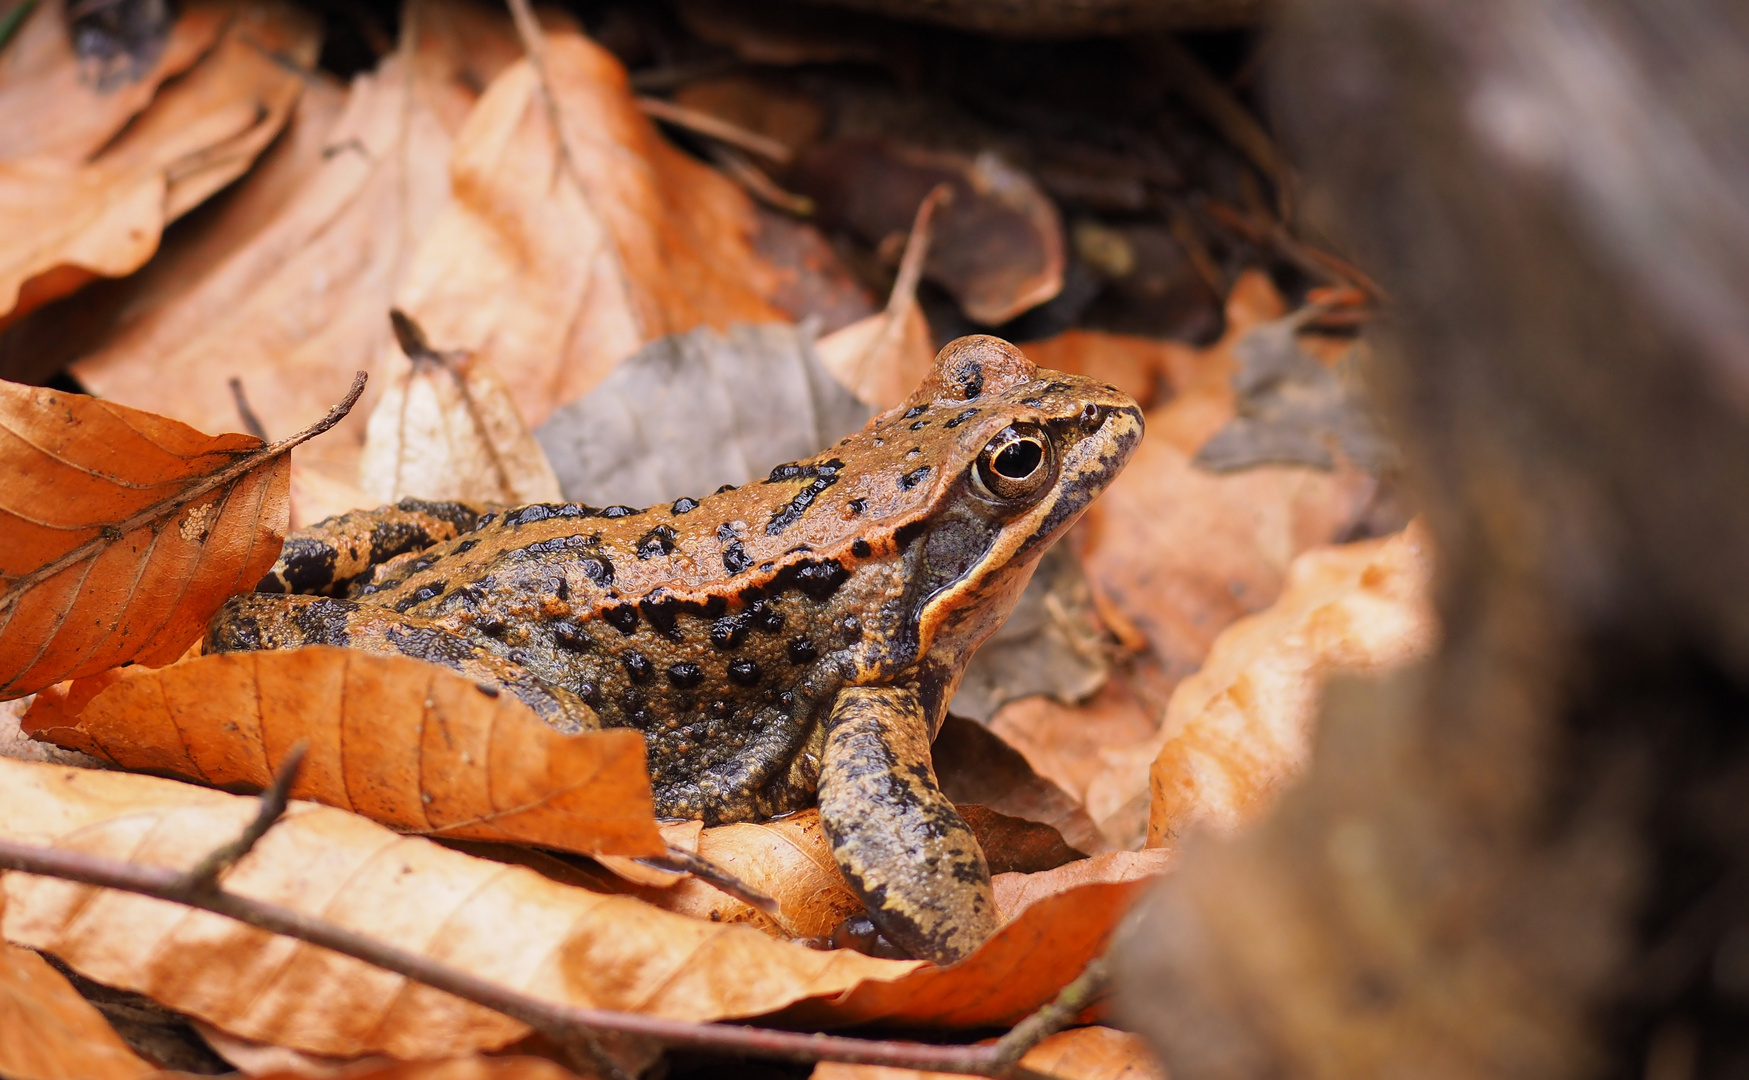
(1091, 414)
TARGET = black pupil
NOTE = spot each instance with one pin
(1018, 460)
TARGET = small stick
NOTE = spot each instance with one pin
(203, 877)
(251, 423)
(715, 127)
(680, 861)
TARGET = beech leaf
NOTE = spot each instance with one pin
(1089, 1053)
(123, 531)
(64, 221)
(503, 923)
(50, 1032)
(403, 742)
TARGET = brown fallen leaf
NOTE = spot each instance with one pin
(977, 766)
(576, 234)
(471, 1067)
(1241, 728)
(50, 1032)
(402, 742)
(124, 531)
(65, 222)
(503, 923)
(1135, 365)
(52, 105)
(1089, 1053)
(1176, 553)
(299, 296)
(446, 429)
(999, 247)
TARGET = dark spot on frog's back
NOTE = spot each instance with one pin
(622, 617)
(638, 666)
(914, 477)
(735, 558)
(657, 542)
(802, 651)
(744, 673)
(568, 635)
(309, 566)
(427, 591)
(683, 505)
(685, 675)
(325, 622)
(533, 512)
(861, 549)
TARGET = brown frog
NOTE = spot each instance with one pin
(792, 640)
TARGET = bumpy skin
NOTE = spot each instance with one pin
(726, 628)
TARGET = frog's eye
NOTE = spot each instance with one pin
(1017, 463)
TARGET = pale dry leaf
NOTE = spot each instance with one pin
(565, 249)
(693, 411)
(400, 741)
(51, 105)
(64, 222)
(470, 1067)
(503, 923)
(1135, 365)
(1241, 728)
(446, 429)
(301, 301)
(1089, 1053)
(124, 531)
(975, 765)
(49, 1032)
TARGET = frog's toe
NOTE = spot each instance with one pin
(900, 843)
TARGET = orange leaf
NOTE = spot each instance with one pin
(403, 742)
(563, 250)
(49, 106)
(64, 221)
(1089, 1053)
(50, 1032)
(1241, 728)
(123, 531)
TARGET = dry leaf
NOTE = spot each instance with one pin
(1176, 553)
(565, 250)
(299, 303)
(124, 531)
(64, 222)
(49, 1032)
(472, 1067)
(999, 248)
(503, 923)
(403, 742)
(1135, 365)
(446, 429)
(1089, 1053)
(976, 766)
(52, 105)
(1241, 728)
(694, 411)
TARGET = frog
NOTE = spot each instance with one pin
(790, 642)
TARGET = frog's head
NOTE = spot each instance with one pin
(1032, 449)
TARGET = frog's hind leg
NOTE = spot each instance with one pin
(330, 557)
(256, 621)
(900, 843)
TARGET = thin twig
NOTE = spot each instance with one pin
(571, 1025)
(251, 423)
(203, 877)
(754, 181)
(715, 127)
(1204, 93)
(1087, 988)
(681, 861)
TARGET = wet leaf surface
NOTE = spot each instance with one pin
(402, 742)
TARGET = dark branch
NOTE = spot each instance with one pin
(203, 877)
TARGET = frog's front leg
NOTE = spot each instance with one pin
(328, 558)
(255, 621)
(902, 846)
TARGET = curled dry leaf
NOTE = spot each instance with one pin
(1241, 728)
(576, 234)
(446, 429)
(124, 531)
(293, 300)
(51, 106)
(503, 923)
(1089, 1053)
(64, 222)
(976, 766)
(403, 742)
(999, 244)
(50, 1032)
